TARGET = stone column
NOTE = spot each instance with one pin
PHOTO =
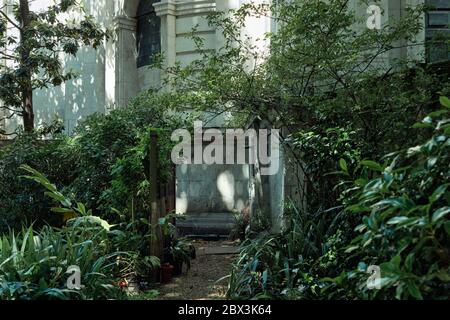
(126, 77)
(121, 79)
(166, 10)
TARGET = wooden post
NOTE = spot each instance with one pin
(163, 200)
(26, 88)
(156, 239)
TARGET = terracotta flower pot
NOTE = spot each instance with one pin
(166, 273)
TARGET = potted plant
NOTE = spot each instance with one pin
(179, 252)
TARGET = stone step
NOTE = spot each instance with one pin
(196, 224)
(215, 251)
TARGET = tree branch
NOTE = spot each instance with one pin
(10, 20)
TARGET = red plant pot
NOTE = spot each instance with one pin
(166, 273)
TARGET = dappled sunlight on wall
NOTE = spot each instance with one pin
(212, 188)
(77, 98)
(226, 187)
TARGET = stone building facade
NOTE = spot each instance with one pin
(117, 71)
(112, 75)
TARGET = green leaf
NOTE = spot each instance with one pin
(393, 202)
(93, 219)
(265, 277)
(61, 210)
(343, 165)
(437, 113)
(440, 213)
(397, 220)
(409, 261)
(399, 291)
(396, 261)
(351, 249)
(421, 125)
(414, 291)
(360, 182)
(81, 208)
(372, 165)
(55, 195)
(443, 275)
(438, 193)
(445, 101)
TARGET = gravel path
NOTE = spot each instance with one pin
(201, 281)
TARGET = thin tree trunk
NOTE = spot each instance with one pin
(27, 89)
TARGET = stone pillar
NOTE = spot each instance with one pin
(126, 76)
(166, 10)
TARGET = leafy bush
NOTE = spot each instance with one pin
(404, 206)
(34, 263)
(112, 155)
(104, 165)
(179, 251)
(274, 266)
(395, 216)
(23, 201)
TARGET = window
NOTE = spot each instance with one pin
(438, 30)
(148, 36)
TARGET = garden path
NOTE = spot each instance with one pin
(201, 282)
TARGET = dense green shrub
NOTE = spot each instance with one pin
(331, 95)
(404, 205)
(286, 265)
(112, 155)
(395, 215)
(23, 201)
(104, 164)
(33, 264)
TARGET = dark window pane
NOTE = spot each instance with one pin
(148, 33)
(438, 31)
(146, 7)
(439, 4)
(438, 19)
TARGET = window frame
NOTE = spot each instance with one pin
(148, 33)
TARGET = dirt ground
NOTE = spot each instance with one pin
(201, 282)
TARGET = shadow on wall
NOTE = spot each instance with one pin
(78, 98)
(84, 95)
(212, 188)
